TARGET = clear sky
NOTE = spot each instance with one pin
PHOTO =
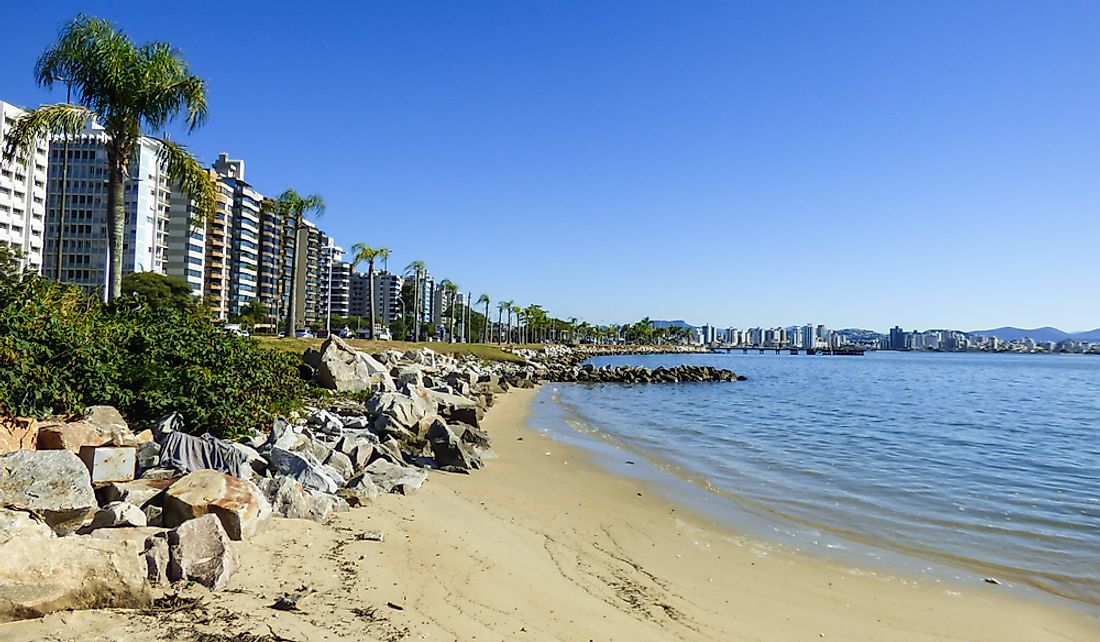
(933, 164)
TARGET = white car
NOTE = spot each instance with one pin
(304, 333)
(235, 328)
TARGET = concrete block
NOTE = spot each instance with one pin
(108, 463)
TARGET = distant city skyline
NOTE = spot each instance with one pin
(873, 162)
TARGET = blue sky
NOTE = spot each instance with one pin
(854, 164)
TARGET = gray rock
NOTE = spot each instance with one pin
(118, 514)
(409, 374)
(291, 500)
(405, 410)
(138, 492)
(391, 478)
(357, 449)
(326, 422)
(200, 550)
(300, 469)
(344, 369)
(371, 536)
(449, 450)
(360, 490)
(341, 463)
(148, 456)
(41, 573)
(54, 484)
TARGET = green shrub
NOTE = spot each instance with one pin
(61, 351)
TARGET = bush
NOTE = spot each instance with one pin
(61, 351)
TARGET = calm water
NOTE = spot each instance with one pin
(985, 462)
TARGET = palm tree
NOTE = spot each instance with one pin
(364, 252)
(501, 307)
(485, 338)
(292, 204)
(128, 88)
(509, 307)
(416, 269)
(518, 311)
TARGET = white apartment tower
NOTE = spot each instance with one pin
(23, 196)
(147, 201)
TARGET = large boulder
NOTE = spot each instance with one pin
(238, 503)
(101, 426)
(449, 450)
(358, 450)
(391, 478)
(53, 484)
(344, 369)
(200, 550)
(18, 433)
(41, 573)
(404, 409)
(292, 500)
(301, 469)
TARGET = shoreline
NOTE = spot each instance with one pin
(554, 546)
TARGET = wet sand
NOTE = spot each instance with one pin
(545, 544)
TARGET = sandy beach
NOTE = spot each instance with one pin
(544, 544)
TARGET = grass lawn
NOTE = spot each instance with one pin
(479, 350)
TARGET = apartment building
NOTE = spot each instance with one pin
(23, 196)
(80, 162)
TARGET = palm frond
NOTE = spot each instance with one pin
(47, 120)
(169, 87)
(191, 177)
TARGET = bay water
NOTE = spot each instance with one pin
(986, 462)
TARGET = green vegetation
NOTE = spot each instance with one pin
(127, 88)
(61, 350)
(159, 290)
(11, 257)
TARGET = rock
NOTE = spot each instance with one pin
(344, 369)
(156, 560)
(390, 450)
(449, 450)
(371, 536)
(109, 420)
(154, 515)
(238, 503)
(360, 490)
(302, 470)
(286, 436)
(326, 422)
(138, 492)
(408, 375)
(446, 402)
(341, 463)
(18, 433)
(118, 514)
(160, 473)
(405, 410)
(70, 436)
(52, 484)
(391, 478)
(470, 416)
(148, 456)
(357, 449)
(41, 573)
(291, 500)
(200, 550)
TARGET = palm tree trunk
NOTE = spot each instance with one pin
(116, 221)
(370, 296)
(292, 297)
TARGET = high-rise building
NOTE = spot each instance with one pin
(245, 237)
(219, 241)
(314, 258)
(23, 196)
(340, 288)
(147, 201)
(187, 236)
(898, 338)
(277, 240)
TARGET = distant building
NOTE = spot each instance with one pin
(898, 339)
(23, 196)
(340, 288)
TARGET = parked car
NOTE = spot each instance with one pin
(304, 333)
(235, 328)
